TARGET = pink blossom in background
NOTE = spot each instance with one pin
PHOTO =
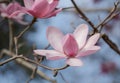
(8, 11)
(41, 8)
(97, 1)
(107, 67)
(70, 46)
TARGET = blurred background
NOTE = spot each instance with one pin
(102, 67)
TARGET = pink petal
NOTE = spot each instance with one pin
(54, 37)
(23, 10)
(45, 9)
(80, 35)
(28, 3)
(53, 13)
(70, 46)
(50, 54)
(52, 6)
(3, 7)
(50, 1)
(92, 40)
(88, 51)
(74, 62)
(40, 7)
(21, 22)
(12, 7)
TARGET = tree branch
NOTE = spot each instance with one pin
(20, 60)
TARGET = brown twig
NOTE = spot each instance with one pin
(84, 17)
(10, 35)
(95, 30)
(55, 71)
(110, 43)
(31, 61)
(29, 26)
(24, 61)
(10, 59)
(21, 33)
(32, 75)
(47, 46)
(110, 15)
(35, 70)
(90, 9)
(63, 78)
(108, 20)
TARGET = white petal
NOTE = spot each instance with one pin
(88, 51)
(74, 62)
(50, 54)
(54, 37)
(28, 3)
(80, 34)
(92, 40)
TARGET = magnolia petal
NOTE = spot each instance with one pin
(16, 13)
(74, 62)
(92, 40)
(3, 7)
(21, 21)
(54, 37)
(4, 14)
(80, 35)
(53, 13)
(40, 7)
(88, 51)
(50, 54)
(28, 3)
(12, 7)
(19, 18)
(52, 6)
(70, 46)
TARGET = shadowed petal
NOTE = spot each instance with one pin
(19, 19)
(54, 37)
(12, 7)
(70, 46)
(74, 62)
(92, 40)
(80, 35)
(88, 51)
(53, 13)
(50, 54)
(28, 3)
(17, 13)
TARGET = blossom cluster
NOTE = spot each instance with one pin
(70, 46)
(36, 8)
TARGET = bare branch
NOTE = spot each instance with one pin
(21, 33)
(84, 16)
(95, 29)
(10, 34)
(110, 43)
(32, 75)
(110, 15)
(21, 60)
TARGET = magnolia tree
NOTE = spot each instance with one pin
(86, 39)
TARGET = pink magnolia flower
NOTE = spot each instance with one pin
(8, 12)
(70, 46)
(41, 8)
